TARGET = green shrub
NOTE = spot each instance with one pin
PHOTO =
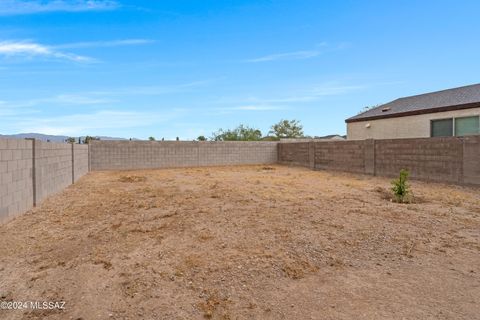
(400, 187)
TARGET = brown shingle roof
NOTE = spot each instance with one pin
(445, 100)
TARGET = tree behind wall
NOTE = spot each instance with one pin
(240, 133)
(90, 138)
(202, 138)
(287, 129)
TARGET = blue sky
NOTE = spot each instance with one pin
(187, 68)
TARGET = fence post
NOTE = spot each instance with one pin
(73, 163)
(470, 173)
(34, 173)
(369, 157)
(198, 153)
(311, 155)
(88, 156)
(279, 152)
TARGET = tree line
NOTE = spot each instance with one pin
(281, 130)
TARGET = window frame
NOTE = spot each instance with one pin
(463, 117)
(440, 119)
(453, 125)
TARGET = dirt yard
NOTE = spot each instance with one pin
(248, 242)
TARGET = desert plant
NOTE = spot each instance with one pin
(400, 187)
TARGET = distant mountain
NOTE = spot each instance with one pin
(38, 136)
(52, 138)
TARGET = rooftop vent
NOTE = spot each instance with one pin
(385, 109)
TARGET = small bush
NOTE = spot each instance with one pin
(400, 187)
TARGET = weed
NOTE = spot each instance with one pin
(400, 187)
(132, 179)
(268, 168)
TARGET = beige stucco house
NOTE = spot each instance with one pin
(452, 112)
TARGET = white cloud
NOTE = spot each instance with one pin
(86, 123)
(93, 98)
(318, 49)
(315, 93)
(21, 106)
(31, 49)
(19, 7)
(297, 55)
(97, 44)
(7, 110)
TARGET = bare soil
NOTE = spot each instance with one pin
(249, 242)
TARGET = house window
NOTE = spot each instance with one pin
(441, 128)
(467, 126)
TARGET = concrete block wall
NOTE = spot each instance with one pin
(236, 153)
(346, 156)
(16, 190)
(32, 170)
(328, 155)
(471, 160)
(126, 155)
(53, 168)
(295, 153)
(80, 161)
(451, 160)
(433, 159)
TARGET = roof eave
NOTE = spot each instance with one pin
(415, 112)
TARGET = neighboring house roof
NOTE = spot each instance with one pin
(445, 100)
(331, 137)
(316, 138)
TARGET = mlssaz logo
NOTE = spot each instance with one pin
(47, 305)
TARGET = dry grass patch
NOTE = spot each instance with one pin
(132, 179)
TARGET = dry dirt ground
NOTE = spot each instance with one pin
(247, 242)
